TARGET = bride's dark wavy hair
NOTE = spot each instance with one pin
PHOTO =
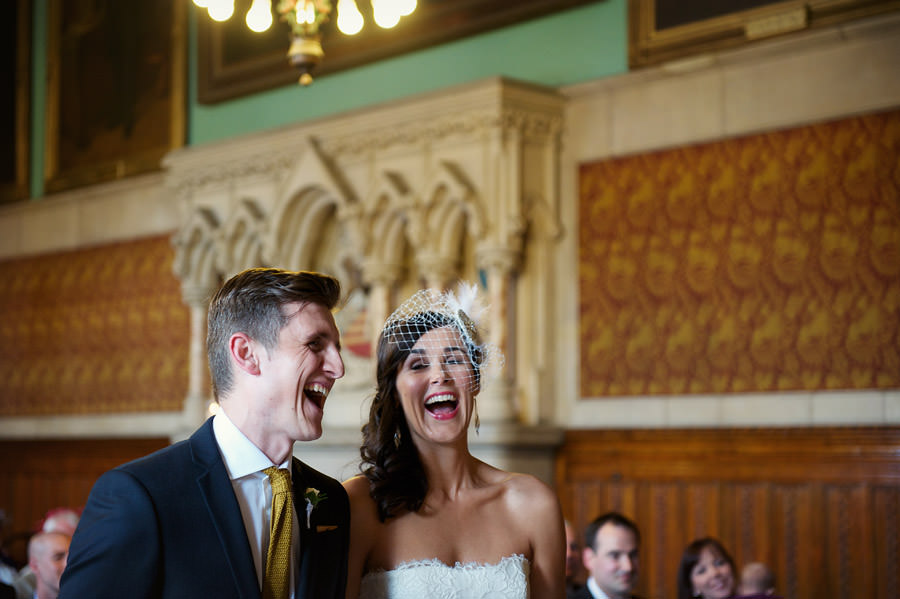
(390, 460)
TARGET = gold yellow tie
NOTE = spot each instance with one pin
(276, 580)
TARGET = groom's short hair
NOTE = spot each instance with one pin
(252, 302)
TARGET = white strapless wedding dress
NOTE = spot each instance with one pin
(507, 579)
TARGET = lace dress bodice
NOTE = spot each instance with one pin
(507, 579)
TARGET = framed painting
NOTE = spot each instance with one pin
(16, 61)
(665, 30)
(115, 93)
(233, 61)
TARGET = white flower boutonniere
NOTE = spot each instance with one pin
(313, 497)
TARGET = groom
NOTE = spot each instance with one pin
(193, 520)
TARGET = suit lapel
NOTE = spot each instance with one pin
(224, 511)
(306, 538)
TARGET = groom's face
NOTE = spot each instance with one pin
(299, 372)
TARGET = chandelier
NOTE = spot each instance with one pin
(305, 18)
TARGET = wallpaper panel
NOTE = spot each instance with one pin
(763, 263)
(98, 330)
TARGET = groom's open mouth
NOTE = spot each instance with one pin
(442, 406)
(316, 393)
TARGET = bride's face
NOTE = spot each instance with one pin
(437, 386)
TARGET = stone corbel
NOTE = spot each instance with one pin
(437, 271)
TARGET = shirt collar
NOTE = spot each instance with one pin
(240, 455)
(595, 589)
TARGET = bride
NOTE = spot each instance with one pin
(427, 517)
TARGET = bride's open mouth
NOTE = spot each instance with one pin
(442, 405)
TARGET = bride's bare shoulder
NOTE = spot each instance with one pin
(361, 502)
(528, 488)
(358, 485)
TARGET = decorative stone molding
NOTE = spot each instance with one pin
(425, 191)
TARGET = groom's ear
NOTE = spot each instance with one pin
(244, 353)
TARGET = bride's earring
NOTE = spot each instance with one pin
(397, 438)
(477, 421)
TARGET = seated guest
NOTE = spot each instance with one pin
(706, 570)
(573, 560)
(47, 553)
(757, 582)
(63, 520)
(611, 546)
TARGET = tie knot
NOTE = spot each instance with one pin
(280, 479)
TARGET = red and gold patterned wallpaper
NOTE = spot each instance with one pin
(769, 262)
(92, 331)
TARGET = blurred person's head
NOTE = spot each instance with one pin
(706, 570)
(611, 554)
(63, 520)
(573, 554)
(47, 554)
(757, 579)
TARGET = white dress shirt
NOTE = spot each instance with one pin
(245, 463)
(596, 591)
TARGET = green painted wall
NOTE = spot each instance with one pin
(577, 45)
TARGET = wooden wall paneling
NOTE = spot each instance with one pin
(819, 505)
(863, 563)
(850, 536)
(782, 524)
(37, 476)
(887, 541)
(811, 556)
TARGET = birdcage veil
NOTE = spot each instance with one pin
(462, 311)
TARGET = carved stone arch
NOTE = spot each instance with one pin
(301, 229)
(195, 251)
(446, 220)
(240, 239)
(314, 170)
(387, 208)
(448, 182)
(309, 210)
(389, 232)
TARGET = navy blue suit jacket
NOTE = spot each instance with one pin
(168, 525)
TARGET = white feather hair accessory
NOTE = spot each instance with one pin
(430, 309)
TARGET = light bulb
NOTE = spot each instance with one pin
(220, 10)
(259, 17)
(349, 19)
(406, 7)
(306, 12)
(385, 13)
(202, 3)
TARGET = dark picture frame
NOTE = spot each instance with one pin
(16, 102)
(116, 89)
(233, 61)
(666, 30)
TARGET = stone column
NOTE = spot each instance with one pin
(199, 392)
(497, 400)
(381, 278)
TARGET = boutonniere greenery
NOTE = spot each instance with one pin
(313, 497)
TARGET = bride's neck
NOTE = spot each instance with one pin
(449, 471)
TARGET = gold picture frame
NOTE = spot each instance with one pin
(233, 61)
(116, 89)
(17, 87)
(666, 30)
